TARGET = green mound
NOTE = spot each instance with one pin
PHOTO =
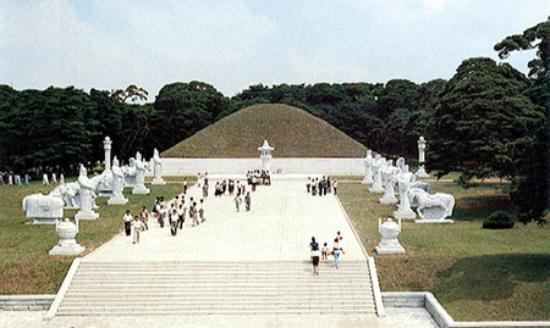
(292, 131)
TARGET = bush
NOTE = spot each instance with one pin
(499, 220)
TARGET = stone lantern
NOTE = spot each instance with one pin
(421, 173)
(265, 155)
(67, 243)
(389, 243)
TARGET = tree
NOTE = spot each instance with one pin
(132, 93)
(482, 110)
(181, 109)
(530, 154)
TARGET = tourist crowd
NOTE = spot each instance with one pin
(318, 253)
(321, 186)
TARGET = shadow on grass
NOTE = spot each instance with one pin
(491, 277)
(477, 208)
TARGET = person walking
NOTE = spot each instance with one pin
(325, 252)
(184, 187)
(201, 211)
(238, 202)
(308, 184)
(174, 222)
(335, 184)
(314, 247)
(127, 218)
(137, 227)
(193, 212)
(181, 215)
(247, 201)
(45, 180)
(144, 217)
(337, 250)
(205, 190)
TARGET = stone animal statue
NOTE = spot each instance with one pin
(432, 207)
(43, 209)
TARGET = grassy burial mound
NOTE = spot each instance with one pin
(292, 131)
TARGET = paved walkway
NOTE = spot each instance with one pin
(279, 227)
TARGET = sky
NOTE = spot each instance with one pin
(232, 44)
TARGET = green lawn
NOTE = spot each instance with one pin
(477, 274)
(25, 266)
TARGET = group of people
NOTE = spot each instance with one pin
(318, 253)
(321, 187)
(229, 187)
(9, 178)
(258, 177)
(134, 225)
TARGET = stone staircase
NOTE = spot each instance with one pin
(205, 288)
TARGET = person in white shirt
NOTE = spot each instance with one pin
(61, 179)
(127, 218)
(137, 226)
(181, 216)
(174, 222)
(54, 178)
(45, 180)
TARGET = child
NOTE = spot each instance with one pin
(238, 202)
(325, 252)
(137, 227)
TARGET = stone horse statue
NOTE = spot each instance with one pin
(435, 207)
(43, 209)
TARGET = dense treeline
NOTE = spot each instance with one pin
(488, 120)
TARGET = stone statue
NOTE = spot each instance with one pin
(69, 193)
(389, 178)
(377, 164)
(67, 243)
(265, 155)
(432, 208)
(141, 167)
(130, 172)
(421, 172)
(87, 195)
(157, 169)
(389, 243)
(43, 209)
(368, 168)
(117, 197)
(404, 210)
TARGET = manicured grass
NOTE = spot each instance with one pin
(25, 266)
(477, 274)
(292, 131)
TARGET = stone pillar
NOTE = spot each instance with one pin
(421, 173)
(389, 243)
(107, 147)
(368, 168)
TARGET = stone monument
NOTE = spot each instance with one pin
(421, 172)
(43, 209)
(117, 197)
(105, 186)
(432, 208)
(265, 155)
(87, 196)
(157, 169)
(389, 243)
(389, 186)
(67, 243)
(141, 167)
(404, 210)
(377, 163)
(368, 168)
(130, 173)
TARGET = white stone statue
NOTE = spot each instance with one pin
(67, 243)
(157, 169)
(432, 208)
(43, 209)
(368, 168)
(404, 210)
(377, 164)
(69, 193)
(141, 167)
(389, 243)
(130, 172)
(389, 178)
(117, 197)
(87, 196)
(421, 172)
(105, 186)
(265, 155)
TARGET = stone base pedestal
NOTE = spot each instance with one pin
(159, 181)
(82, 215)
(44, 220)
(140, 190)
(67, 250)
(387, 200)
(444, 221)
(421, 173)
(117, 201)
(389, 249)
(406, 214)
(367, 180)
(375, 189)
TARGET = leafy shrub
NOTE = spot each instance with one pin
(499, 220)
